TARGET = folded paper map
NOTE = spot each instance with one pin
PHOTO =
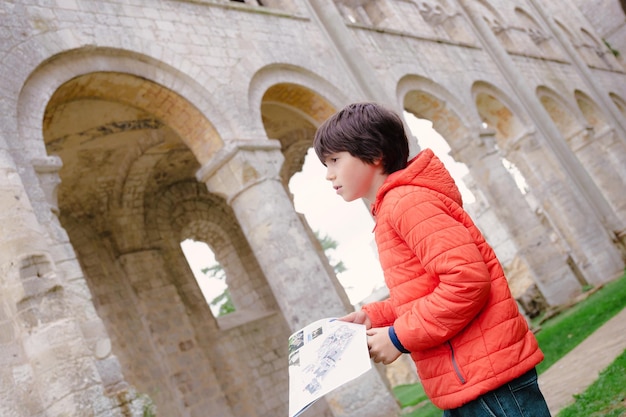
(323, 356)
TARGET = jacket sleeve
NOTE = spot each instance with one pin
(448, 251)
(381, 313)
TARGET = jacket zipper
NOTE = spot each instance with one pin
(455, 365)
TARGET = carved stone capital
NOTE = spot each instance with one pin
(240, 165)
(47, 169)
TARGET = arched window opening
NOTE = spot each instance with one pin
(210, 276)
(520, 181)
(349, 225)
(427, 137)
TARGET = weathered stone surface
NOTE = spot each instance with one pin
(126, 128)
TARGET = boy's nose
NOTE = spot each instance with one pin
(329, 175)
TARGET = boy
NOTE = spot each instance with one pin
(449, 305)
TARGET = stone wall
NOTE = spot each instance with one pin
(128, 127)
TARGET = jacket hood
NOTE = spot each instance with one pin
(425, 170)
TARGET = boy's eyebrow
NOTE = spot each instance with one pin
(326, 157)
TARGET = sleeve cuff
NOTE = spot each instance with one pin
(396, 341)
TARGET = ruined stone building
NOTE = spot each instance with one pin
(128, 126)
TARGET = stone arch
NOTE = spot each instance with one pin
(460, 127)
(292, 102)
(541, 235)
(426, 99)
(542, 171)
(316, 105)
(496, 22)
(114, 83)
(565, 115)
(185, 209)
(128, 145)
(574, 123)
(619, 102)
(68, 77)
(93, 126)
(494, 187)
(570, 36)
(595, 52)
(591, 111)
(500, 113)
(140, 123)
(363, 12)
(540, 37)
(591, 50)
(444, 19)
(533, 29)
(67, 58)
(590, 40)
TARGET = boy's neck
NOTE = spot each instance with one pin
(377, 182)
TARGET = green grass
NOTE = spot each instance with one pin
(606, 397)
(414, 402)
(562, 333)
(559, 335)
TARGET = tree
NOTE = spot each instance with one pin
(328, 245)
(216, 271)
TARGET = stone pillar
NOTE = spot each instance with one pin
(597, 258)
(546, 265)
(246, 174)
(604, 156)
(614, 150)
(54, 362)
(172, 367)
(595, 205)
(20, 233)
(364, 75)
(600, 95)
(362, 72)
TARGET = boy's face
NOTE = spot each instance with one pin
(352, 178)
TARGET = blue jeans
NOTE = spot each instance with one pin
(519, 398)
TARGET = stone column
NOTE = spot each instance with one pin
(54, 362)
(546, 265)
(360, 69)
(614, 150)
(364, 76)
(597, 258)
(604, 155)
(600, 95)
(172, 366)
(245, 173)
(581, 184)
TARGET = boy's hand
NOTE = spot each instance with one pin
(382, 349)
(358, 317)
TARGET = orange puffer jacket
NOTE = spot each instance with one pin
(449, 302)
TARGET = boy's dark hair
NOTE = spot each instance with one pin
(367, 131)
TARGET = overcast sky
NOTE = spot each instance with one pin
(350, 224)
